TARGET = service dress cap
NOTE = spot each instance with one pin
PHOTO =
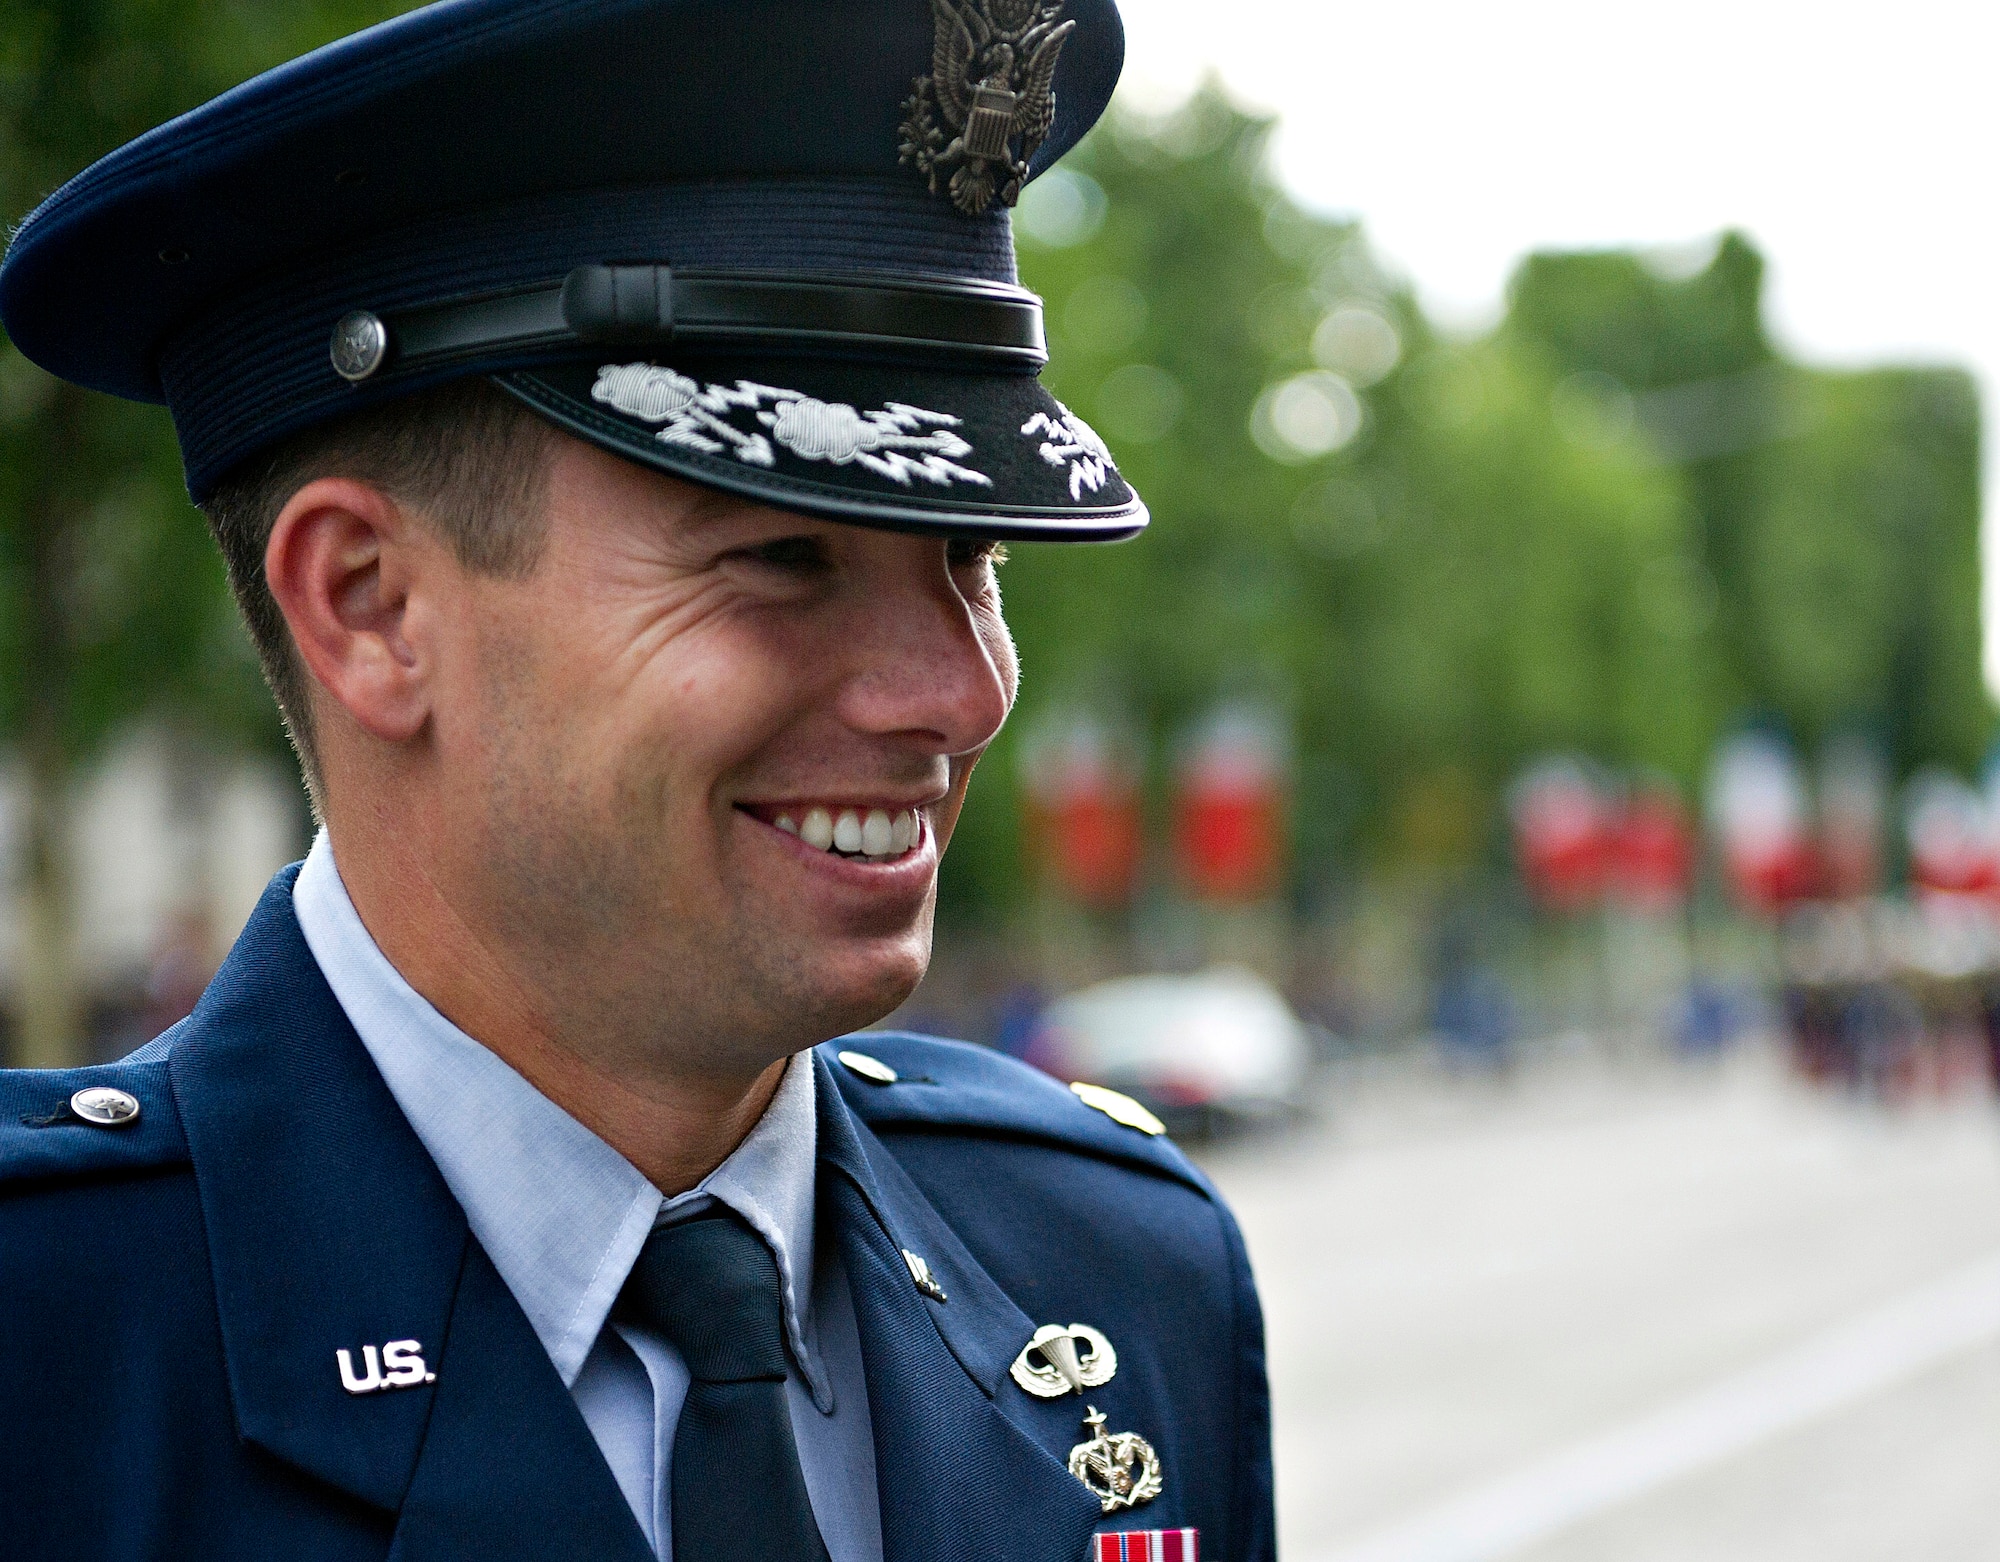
(760, 244)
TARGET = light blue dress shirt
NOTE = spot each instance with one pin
(563, 1216)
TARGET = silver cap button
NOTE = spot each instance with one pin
(360, 343)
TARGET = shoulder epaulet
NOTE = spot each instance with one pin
(66, 1122)
(898, 1079)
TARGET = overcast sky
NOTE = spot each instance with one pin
(1856, 145)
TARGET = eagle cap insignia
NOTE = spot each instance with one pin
(972, 125)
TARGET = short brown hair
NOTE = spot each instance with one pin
(466, 456)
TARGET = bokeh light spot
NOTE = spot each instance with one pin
(1060, 209)
(1105, 314)
(1358, 343)
(1309, 415)
(1337, 518)
(1139, 403)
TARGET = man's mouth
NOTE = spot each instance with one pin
(867, 834)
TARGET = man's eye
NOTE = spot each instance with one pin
(804, 555)
(967, 551)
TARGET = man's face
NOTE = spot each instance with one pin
(647, 738)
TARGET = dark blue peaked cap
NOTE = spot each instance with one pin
(697, 232)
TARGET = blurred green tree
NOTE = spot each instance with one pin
(1616, 524)
(1405, 540)
(1836, 514)
(112, 602)
(1861, 568)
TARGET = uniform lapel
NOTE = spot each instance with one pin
(959, 1466)
(330, 1229)
(509, 1469)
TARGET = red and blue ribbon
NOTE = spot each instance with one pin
(1147, 1545)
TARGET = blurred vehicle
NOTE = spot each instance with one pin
(1214, 1050)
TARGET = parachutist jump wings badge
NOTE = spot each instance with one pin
(972, 124)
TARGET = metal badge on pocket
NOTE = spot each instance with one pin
(1064, 1359)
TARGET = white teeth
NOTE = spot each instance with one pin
(877, 835)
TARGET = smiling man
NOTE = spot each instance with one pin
(610, 413)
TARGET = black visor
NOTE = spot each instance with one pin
(920, 448)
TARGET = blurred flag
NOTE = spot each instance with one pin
(1950, 833)
(1757, 809)
(1081, 792)
(1564, 829)
(1853, 812)
(1652, 851)
(1230, 793)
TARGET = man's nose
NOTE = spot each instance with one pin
(927, 664)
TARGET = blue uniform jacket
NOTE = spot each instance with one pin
(173, 1292)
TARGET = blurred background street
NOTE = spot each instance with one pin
(1610, 1308)
(1527, 813)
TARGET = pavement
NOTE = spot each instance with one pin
(1629, 1311)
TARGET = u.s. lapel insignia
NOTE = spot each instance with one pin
(1120, 1468)
(992, 83)
(399, 1364)
(1064, 1359)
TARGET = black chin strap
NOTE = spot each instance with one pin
(984, 325)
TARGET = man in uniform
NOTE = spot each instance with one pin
(609, 411)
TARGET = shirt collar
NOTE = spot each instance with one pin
(561, 1214)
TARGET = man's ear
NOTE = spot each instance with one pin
(341, 562)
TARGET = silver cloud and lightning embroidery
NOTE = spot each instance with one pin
(898, 441)
(1073, 443)
(973, 123)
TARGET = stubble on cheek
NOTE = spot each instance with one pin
(550, 854)
(604, 878)
(645, 910)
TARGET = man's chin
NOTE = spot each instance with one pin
(852, 994)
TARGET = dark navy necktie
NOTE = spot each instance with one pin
(711, 1286)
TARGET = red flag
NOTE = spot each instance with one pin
(1081, 809)
(1229, 806)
